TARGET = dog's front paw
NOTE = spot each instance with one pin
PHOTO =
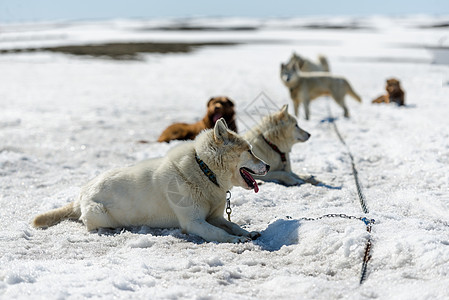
(299, 182)
(240, 239)
(254, 235)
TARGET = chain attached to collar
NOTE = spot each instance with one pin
(276, 149)
(228, 205)
(206, 170)
(211, 175)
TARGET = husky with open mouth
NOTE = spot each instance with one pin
(185, 189)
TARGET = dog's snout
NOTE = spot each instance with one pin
(267, 167)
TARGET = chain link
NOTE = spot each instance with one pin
(368, 222)
(228, 205)
(366, 258)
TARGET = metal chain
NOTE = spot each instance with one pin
(344, 216)
(354, 170)
(228, 205)
(368, 223)
(366, 258)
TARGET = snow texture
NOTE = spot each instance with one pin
(65, 119)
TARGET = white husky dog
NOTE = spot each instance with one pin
(272, 141)
(307, 65)
(306, 86)
(186, 188)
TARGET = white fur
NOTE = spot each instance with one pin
(172, 191)
(282, 130)
(307, 65)
(307, 86)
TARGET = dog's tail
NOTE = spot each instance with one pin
(324, 63)
(353, 94)
(70, 211)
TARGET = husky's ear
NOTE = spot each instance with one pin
(295, 67)
(221, 131)
(284, 112)
(224, 123)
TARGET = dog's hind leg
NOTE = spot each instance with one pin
(340, 99)
(296, 103)
(96, 216)
(306, 104)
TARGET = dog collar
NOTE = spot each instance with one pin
(276, 149)
(206, 170)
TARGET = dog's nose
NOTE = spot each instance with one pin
(267, 167)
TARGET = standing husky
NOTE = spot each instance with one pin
(305, 86)
(186, 189)
(272, 141)
(306, 65)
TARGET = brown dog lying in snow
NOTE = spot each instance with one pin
(395, 94)
(217, 107)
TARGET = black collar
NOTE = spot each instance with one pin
(206, 170)
(275, 148)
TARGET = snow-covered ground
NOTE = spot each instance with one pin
(65, 119)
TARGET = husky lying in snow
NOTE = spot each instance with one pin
(305, 86)
(272, 141)
(307, 65)
(186, 189)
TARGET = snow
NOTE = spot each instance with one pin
(65, 119)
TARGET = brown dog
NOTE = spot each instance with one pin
(217, 107)
(395, 94)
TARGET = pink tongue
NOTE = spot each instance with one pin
(256, 187)
(216, 117)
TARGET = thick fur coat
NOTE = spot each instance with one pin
(307, 86)
(217, 107)
(395, 94)
(307, 65)
(172, 191)
(272, 141)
